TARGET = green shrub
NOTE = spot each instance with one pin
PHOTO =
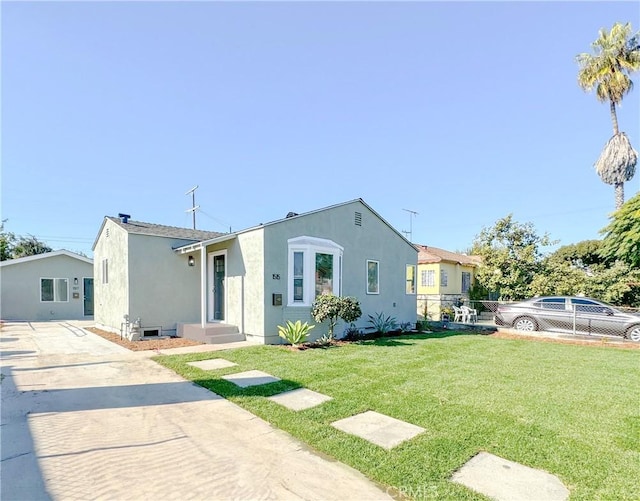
(476, 294)
(295, 333)
(447, 310)
(423, 325)
(405, 326)
(331, 308)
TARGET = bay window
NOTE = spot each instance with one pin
(315, 267)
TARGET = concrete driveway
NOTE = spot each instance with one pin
(84, 419)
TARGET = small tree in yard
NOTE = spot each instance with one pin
(331, 308)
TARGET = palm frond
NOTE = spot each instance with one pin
(617, 162)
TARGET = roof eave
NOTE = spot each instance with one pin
(185, 249)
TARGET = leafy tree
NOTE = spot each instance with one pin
(569, 270)
(616, 55)
(581, 255)
(618, 284)
(7, 241)
(622, 235)
(29, 246)
(511, 257)
(12, 247)
(580, 269)
(331, 308)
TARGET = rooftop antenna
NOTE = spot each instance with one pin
(409, 233)
(194, 207)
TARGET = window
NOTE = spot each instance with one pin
(586, 306)
(466, 281)
(105, 271)
(428, 278)
(444, 280)
(411, 279)
(315, 267)
(324, 273)
(552, 303)
(298, 276)
(54, 290)
(373, 277)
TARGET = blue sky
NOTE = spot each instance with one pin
(463, 112)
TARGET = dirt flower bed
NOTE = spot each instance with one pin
(596, 342)
(147, 344)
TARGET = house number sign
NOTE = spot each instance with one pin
(276, 276)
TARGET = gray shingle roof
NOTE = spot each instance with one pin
(160, 230)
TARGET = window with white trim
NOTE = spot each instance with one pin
(54, 290)
(315, 267)
(411, 279)
(428, 278)
(373, 277)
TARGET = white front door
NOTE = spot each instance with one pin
(217, 278)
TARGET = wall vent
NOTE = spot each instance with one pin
(107, 233)
(358, 219)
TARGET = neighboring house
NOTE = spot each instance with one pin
(51, 286)
(444, 277)
(225, 286)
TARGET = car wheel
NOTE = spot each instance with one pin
(525, 324)
(633, 333)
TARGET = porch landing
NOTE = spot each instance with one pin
(212, 333)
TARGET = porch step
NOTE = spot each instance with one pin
(223, 338)
(217, 333)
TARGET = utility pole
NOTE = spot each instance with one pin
(409, 233)
(194, 207)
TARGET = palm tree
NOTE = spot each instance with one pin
(617, 54)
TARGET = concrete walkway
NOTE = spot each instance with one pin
(83, 418)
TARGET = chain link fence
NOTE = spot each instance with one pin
(574, 316)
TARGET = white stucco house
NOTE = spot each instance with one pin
(55, 285)
(216, 287)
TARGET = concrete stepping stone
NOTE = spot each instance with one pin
(213, 364)
(385, 431)
(505, 480)
(250, 378)
(299, 399)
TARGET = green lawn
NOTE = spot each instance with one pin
(573, 411)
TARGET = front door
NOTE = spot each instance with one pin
(217, 276)
(88, 297)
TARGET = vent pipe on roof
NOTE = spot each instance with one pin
(124, 217)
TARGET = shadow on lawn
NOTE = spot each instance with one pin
(405, 339)
(227, 389)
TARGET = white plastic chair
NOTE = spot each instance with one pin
(458, 314)
(469, 314)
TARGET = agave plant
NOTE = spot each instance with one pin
(295, 333)
(383, 324)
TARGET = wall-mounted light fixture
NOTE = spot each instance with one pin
(75, 281)
(191, 261)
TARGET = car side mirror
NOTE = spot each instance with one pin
(608, 312)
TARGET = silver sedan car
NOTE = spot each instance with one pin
(578, 315)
